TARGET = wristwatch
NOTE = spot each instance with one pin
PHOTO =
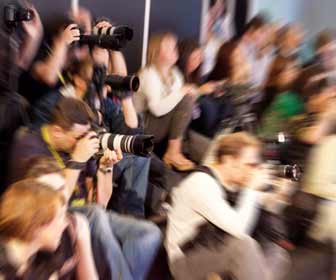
(105, 170)
(71, 164)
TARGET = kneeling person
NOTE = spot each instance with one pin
(213, 214)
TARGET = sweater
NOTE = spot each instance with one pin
(156, 97)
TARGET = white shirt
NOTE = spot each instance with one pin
(154, 96)
(200, 198)
(260, 66)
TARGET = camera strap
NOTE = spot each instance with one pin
(55, 154)
(46, 138)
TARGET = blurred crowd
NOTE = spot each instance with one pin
(220, 154)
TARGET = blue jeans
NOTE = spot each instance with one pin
(131, 176)
(123, 247)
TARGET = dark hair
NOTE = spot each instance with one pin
(272, 88)
(186, 48)
(42, 165)
(315, 87)
(79, 68)
(255, 23)
(70, 111)
(307, 76)
(223, 66)
(278, 66)
(213, 2)
(282, 35)
(323, 38)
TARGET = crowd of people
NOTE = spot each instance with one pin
(73, 207)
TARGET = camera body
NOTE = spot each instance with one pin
(103, 41)
(111, 38)
(14, 13)
(122, 32)
(273, 153)
(291, 172)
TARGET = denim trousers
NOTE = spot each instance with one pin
(131, 178)
(123, 247)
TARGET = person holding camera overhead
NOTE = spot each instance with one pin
(165, 100)
(85, 79)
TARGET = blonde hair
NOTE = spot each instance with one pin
(232, 144)
(154, 46)
(25, 207)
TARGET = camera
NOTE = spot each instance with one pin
(103, 41)
(123, 85)
(140, 145)
(14, 13)
(122, 32)
(291, 172)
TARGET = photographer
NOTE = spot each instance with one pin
(19, 41)
(214, 211)
(69, 141)
(131, 173)
(45, 74)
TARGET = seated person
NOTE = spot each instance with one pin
(252, 42)
(281, 102)
(233, 66)
(38, 240)
(213, 214)
(209, 111)
(289, 42)
(325, 52)
(165, 100)
(320, 182)
(68, 140)
(317, 122)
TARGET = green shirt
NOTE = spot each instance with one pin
(276, 118)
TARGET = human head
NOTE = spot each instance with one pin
(283, 73)
(254, 29)
(290, 37)
(47, 171)
(231, 64)
(217, 8)
(325, 47)
(70, 121)
(238, 154)
(190, 58)
(31, 212)
(80, 74)
(162, 49)
(318, 94)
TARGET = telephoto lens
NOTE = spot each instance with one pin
(123, 83)
(140, 145)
